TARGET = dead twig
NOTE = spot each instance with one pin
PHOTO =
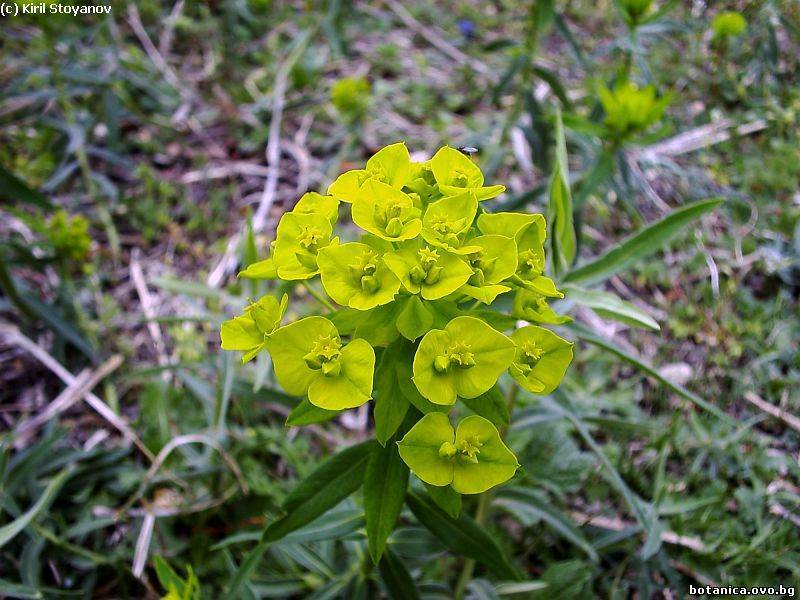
(614, 524)
(146, 301)
(791, 420)
(700, 137)
(15, 337)
(191, 438)
(432, 35)
(165, 41)
(74, 392)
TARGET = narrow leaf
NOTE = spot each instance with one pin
(648, 241)
(306, 413)
(13, 189)
(490, 405)
(445, 498)
(10, 530)
(589, 336)
(385, 484)
(611, 306)
(562, 230)
(333, 481)
(391, 404)
(396, 578)
(462, 535)
(329, 484)
(644, 513)
(529, 506)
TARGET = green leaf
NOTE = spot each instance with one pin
(391, 165)
(490, 405)
(263, 269)
(644, 513)
(10, 530)
(420, 449)
(391, 403)
(589, 336)
(462, 535)
(385, 484)
(530, 506)
(353, 386)
(9, 589)
(644, 243)
(334, 480)
(13, 189)
(445, 498)
(396, 578)
(331, 482)
(314, 203)
(376, 325)
(58, 324)
(611, 306)
(167, 576)
(306, 413)
(415, 319)
(562, 230)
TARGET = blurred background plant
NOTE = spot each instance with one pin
(146, 157)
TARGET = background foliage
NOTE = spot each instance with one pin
(136, 146)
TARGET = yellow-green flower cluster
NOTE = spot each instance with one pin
(428, 259)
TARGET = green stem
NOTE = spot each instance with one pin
(469, 565)
(320, 298)
(481, 512)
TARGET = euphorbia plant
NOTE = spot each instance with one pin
(418, 330)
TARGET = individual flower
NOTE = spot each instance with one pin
(421, 184)
(314, 203)
(429, 271)
(386, 212)
(529, 232)
(447, 221)
(472, 458)
(541, 359)
(463, 359)
(355, 275)
(456, 173)
(309, 358)
(532, 306)
(299, 238)
(249, 332)
(390, 165)
(630, 109)
(351, 97)
(493, 259)
(728, 24)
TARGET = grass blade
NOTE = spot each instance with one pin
(10, 530)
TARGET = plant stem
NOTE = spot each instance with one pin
(481, 512)
(322, 299)
(469, 565)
